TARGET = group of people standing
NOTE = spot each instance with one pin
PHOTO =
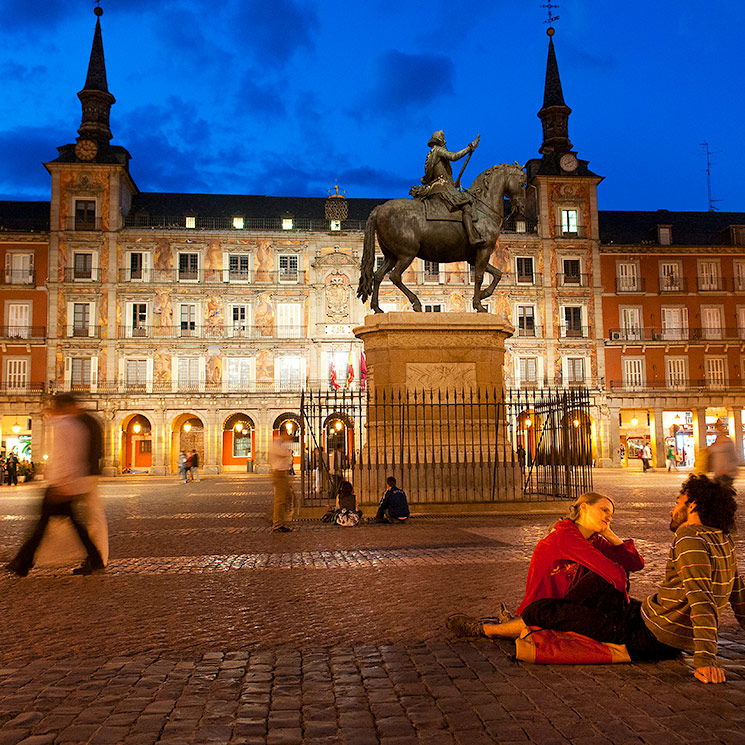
(9, 469)
(188, 466)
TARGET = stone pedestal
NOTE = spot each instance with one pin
(435, 418)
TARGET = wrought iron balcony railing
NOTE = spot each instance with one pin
(630, 284)
(667, 334)
(19, 277)
(211, 332)
(24, 333)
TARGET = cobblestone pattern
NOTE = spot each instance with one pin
(208, 628)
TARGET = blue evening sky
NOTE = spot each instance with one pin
(287, 97)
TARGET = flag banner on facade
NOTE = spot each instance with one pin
(363, 372)
(334, 384)
(350, 368)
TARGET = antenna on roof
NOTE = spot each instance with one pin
(712, 208)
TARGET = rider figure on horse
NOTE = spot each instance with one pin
(438, 181)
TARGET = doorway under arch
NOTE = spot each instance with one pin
(136, 452)
(238, 443)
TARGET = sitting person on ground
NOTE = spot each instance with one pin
(394, 507)
(701, 577)
(577, 545)
(347, 497)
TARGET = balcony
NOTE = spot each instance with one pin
(630, 284)
(84, 332)
(579, 232)
(672, 285)
(684, 334)
(24, 333)
(574, 332)
(71, 274)
(520, 225)
(530, 332)
(20, 277)
(574, 280)
(711, 284)
(211, 332)
(676, 386)
(80, 223)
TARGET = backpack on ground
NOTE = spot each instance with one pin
(348, 518)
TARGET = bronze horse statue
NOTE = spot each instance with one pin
(404, 233)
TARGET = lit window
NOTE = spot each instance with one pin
(336, 225)
(191, 222)
(287, 223)
(288, 269)
(524, 266)
(569, 221)
(238, 223)
(433, 308)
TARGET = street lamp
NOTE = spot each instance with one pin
(136, 429)
(634, 422)
(16, 428)
(238, 427)
(187, 427)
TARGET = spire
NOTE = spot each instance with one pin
(554, 114)
(95, 97)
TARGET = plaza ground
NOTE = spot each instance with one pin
(208, 628)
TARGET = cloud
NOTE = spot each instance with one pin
(273, 32)
(255, 97)
(13, 72)
(405, 81)
(22, 15)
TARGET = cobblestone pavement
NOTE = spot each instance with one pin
(208, 628)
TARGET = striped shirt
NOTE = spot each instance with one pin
(700, 578)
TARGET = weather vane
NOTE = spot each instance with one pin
(549, 6)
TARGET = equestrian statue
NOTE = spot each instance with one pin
(442, 223)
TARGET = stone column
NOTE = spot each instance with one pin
(699, 428)
(658, 451)
(736, 430)
(160, 463)
(614, 436)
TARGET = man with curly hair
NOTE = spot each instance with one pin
(701, 577)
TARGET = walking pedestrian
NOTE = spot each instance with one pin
(187, 469)
(723, 461)
(182, 465)
(280, 460)
(67, 471)
(194, 466)
(11, 468)
(646, 457)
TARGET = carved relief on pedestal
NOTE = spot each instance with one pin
(337, 298)
(440, 375)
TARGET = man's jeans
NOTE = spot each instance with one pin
(25, 556)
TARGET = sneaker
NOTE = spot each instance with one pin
(15, 567)
(464, 626)
(282, 529)
(504, 615)
(86, 569)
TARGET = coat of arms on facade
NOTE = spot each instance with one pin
(337, 299)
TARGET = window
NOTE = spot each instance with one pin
(289, 320)
(739, 267)
(16, 374)
(569, 222)
(676, 372)
(525, 320)
(670, 277)
(524, 265)
(709, 276)
(631, 323)
(633, 372)
(188, 267)
(528, 371)
(433, 308)
(741, 321)
(188, 316)
(627, 277)
(572, 274)
(136, 374)
(335, 224)
(336, 372)
(238, 223)
(716, 368)
(135, 265)
(287, 223)
(573, 321)
(665, 235)
(575, 367)
(85, 214)
(242, 443)
(19, 268)
(19, 315)
(238, 267)
(190, 221)
(82, 266)
(711, 322)
(674, 323)
(139, 319)
(431, 271)
(379, 262)
(288, 268)
(239, 373)
(289, 373)
(81, 319)
(80, 372)
(239, 321)
(188, 373)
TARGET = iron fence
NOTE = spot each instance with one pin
(447, 446)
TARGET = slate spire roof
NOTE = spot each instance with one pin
(552, 94)
(96, 78)
(554, 114)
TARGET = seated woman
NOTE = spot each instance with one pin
(578, 545)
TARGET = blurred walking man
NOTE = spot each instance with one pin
(67, 474)
(280, 460)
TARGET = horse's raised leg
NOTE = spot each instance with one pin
(385, 267)
(401, 266)
(496, 276)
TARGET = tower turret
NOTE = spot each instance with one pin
(554, 113)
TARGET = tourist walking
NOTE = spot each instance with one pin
(723, 461)
(194, 466)
(280, 460)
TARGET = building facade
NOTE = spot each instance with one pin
(194, 322)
